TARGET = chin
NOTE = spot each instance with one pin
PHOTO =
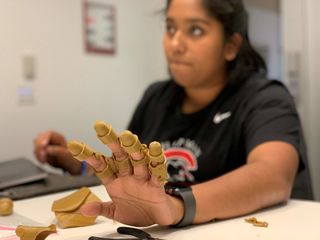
(183, 80)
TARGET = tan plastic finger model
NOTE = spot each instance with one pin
(67, 209)
(6, 206)
(105, 132)
(131, 144)
(108, 171)
(157, 164)
(80, 151)
(34, 232)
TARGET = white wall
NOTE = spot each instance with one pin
(301, 37)
(72, 89)
(265, 33)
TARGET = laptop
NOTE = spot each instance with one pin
(19, 171)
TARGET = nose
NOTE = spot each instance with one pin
(178, 43)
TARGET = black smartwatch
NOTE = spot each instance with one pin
(189, 204)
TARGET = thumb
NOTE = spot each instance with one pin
(93, 209)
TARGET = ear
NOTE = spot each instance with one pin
(232, 47)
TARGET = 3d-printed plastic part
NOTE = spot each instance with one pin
(6, 206)
(81, 152)
(105, 132)
(67, 209)
(157, 164)
(34, 232)
(131, 144)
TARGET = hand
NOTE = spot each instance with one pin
(51, 147)
(134, 178)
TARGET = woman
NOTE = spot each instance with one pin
(229, 133)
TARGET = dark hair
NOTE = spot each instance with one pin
(234, 19)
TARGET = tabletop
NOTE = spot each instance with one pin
(294, 220)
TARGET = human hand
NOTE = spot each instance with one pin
(134, 178)
(51, 147)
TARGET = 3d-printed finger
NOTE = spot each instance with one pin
(157, 164)
(80, 151)
(130, 142)
(105, 132)
(123, 165)
(133, 146)
(6, 206)
(108, 171)
(35, 233)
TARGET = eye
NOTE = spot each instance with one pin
(196, 31)
(170, 29)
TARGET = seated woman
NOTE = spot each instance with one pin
(232, 137)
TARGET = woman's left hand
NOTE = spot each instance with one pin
(134, 178)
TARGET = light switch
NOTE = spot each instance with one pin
(25, 95)
(29, 67)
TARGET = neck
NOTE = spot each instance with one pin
(198, 98)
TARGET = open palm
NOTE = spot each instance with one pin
(133, 177)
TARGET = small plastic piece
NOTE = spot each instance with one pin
(108, 171)
(157, 164)
(35, 232)
(256, 223)
(6, 206)
(79, 150)
(131, 144)
(67, 209)
(123, 164)
(105, 132)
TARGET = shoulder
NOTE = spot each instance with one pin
(163, 91)
(262, 91)
(159, 87)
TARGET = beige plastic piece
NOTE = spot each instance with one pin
(108, 171)
(105, 132)
(256, 223)
(157, 164)
(79, 150)
(67, 209)
(123, 164)
(6, 206)
(131, 144)
(34, 232)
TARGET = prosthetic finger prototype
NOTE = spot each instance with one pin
(82, 152)
(133, 146)
(158, 163)
(107, 136)
(35, 233)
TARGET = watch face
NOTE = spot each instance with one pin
(99, 20)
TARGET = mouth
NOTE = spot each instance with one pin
(179, 63)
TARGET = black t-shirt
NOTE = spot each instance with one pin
(217, 139)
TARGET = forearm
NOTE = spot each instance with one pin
(242, 191)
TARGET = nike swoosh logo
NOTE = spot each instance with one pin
(219, 117)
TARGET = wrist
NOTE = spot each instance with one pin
(185, 206)
(178, 209)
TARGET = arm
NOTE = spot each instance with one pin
(266, 179)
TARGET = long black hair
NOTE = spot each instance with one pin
(234, 19)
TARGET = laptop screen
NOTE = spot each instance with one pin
(19, 171)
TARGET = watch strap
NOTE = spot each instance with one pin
(189, 205)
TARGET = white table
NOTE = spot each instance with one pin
(295, 220)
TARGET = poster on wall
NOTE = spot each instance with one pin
(99, 27)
